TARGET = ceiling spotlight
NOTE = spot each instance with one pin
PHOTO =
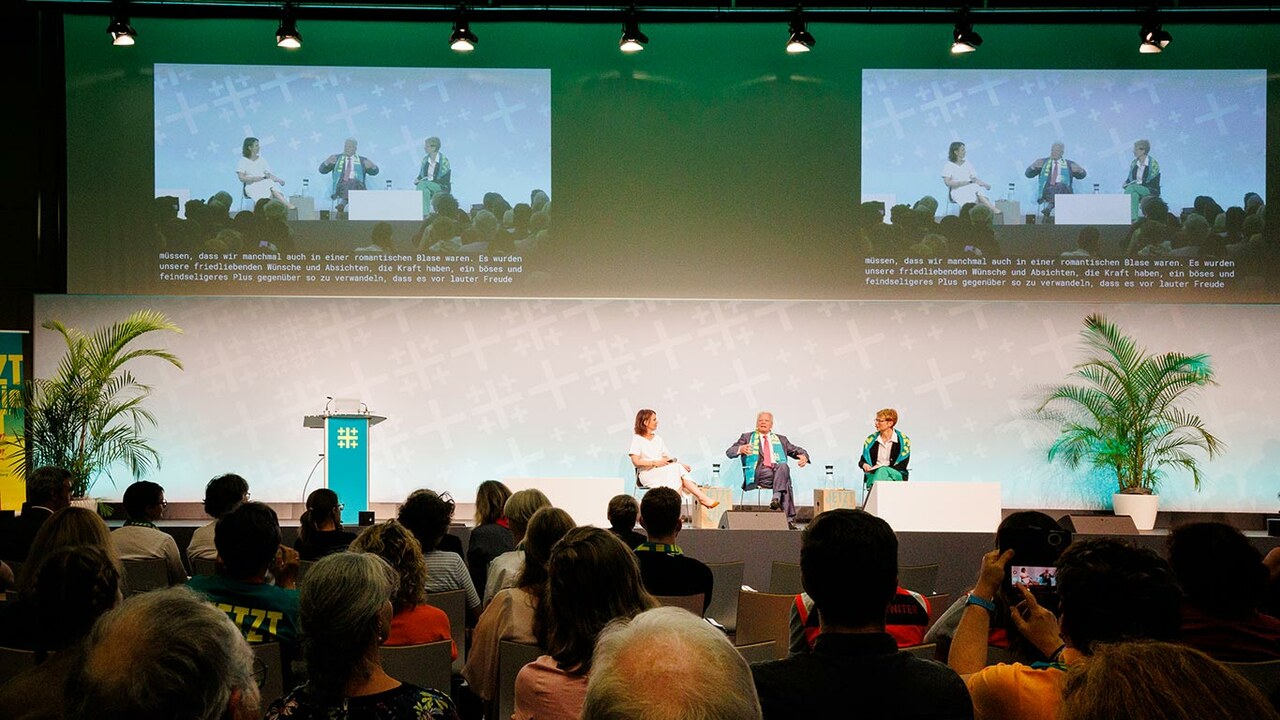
(287, 35)
(633, 40)
(121, 32)
(964, 39)
(799, 40)
(1154, 38)
(462, 40)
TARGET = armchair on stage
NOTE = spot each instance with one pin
(346, 454)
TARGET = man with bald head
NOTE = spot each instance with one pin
(1054, 174)
(764, 456)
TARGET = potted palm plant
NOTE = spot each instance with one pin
(90, 415)
(1121, 415)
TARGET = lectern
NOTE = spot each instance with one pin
(346, 458)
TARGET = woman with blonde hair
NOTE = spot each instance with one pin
(504, 569)
(413, 622)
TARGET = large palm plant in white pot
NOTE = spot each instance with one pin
(1120, 413)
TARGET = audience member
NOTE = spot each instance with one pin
(906, 620)
(664, 567)
(248, 542)
(1271, 599)
(849, 566)
(163, 655)
(75, 585)
(666, 664)
(510, 615)
(221, 495)
(48, 491)
(1108, 591)
(346, 612)
(504, 569)
(623, 513)
(491, 536)
(139, 538)
(592, 579)
(427, 516)
(1223, 581)
(414, 621)
(1147, 680)
(320, 530)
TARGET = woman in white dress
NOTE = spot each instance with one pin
(962, 180)
(654, 465)
(256, 175)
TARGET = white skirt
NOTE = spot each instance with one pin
(665, 476)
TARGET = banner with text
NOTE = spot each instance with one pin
(12, 489)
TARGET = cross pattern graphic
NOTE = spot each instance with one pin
(348, 438)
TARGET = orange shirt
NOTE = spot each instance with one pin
(1019, 692)
(419, 625)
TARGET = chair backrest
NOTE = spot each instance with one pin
(938, 604)
(726, 582)
(1264, 675)
(145, 574)
(927, 651)
(692, 603)
(269, 658)
(511, 657)
(14, 661)
(454, 604)
(765, 617)
(206, 566)
(784, 578)
(303, 567)
(920, 578)
(763, 651)
(427, 665)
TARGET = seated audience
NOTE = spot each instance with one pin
(140, 539)
(1146, 680)
(491, 536)
(320, 530)
(427, 516)
(345, 611)
(849, 566)
(248, 542)
(1223, 581)
(592, 579)
(510, 615)
(48, 491)
(221, 495)
(1107, 592)
(414, 622)
(504, 569)
(906, 620)
(1271, 599)
(160, 655)
(666, 664)
(623, 513)
(664, 567)
(75, 585)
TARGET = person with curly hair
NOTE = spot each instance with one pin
(414, 622)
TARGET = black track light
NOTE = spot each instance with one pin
(287, 35)
(633, 41)
(462, 39)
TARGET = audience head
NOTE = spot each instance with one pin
(344, 610)
(74, 586)
(162, 655)
(927, 206)
(623, 511)
(393, 542)
(980, 215)
(444, 203)
(592, 578)
(247, 539)
(659, 666)
(521, 506)
(65, 528)
(223, 493)
(1089, 240)
(1220, 571)
(660, 512)
(381, 236)
(1252, 202)
(1099, 577)
(546, 527)
(427, 516)
(491, 501)
(49, 487)
(487, 223)
(849, 566)
(144, 500)
(322, 508)
(1147, 680)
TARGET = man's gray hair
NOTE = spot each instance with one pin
(668, 664)
(162, 654)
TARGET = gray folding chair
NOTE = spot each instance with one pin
(763, 651)
(205, 566)
(428, 665)
(143, 575)
(784, 578)
(268, 659)
(919, 578)
(1264, 675)
(692, 603)
(511, 657)
(454, 604)
(726, 583)
(765, 617)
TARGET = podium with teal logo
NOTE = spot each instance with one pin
(346, 458)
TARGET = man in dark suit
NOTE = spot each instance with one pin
(764, 456)
(48, 491)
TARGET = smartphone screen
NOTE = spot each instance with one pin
(1033, 576)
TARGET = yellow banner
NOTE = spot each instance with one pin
(13, 491)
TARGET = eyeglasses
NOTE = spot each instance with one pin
(259, 672)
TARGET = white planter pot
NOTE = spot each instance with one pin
(1142, 508)
(87, 503)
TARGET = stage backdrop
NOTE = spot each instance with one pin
(478, 389)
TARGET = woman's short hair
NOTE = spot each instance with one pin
(951, 150)
(546, 527)
(394, 543)
(427, 516)
(67, 527)
(491, 501)
(521, 506)
(888, 414)
(642, 417)
(1148, 680)
(223, 493)
(592, 579)
(245, 147)
(1144, 144)
(339, 612)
